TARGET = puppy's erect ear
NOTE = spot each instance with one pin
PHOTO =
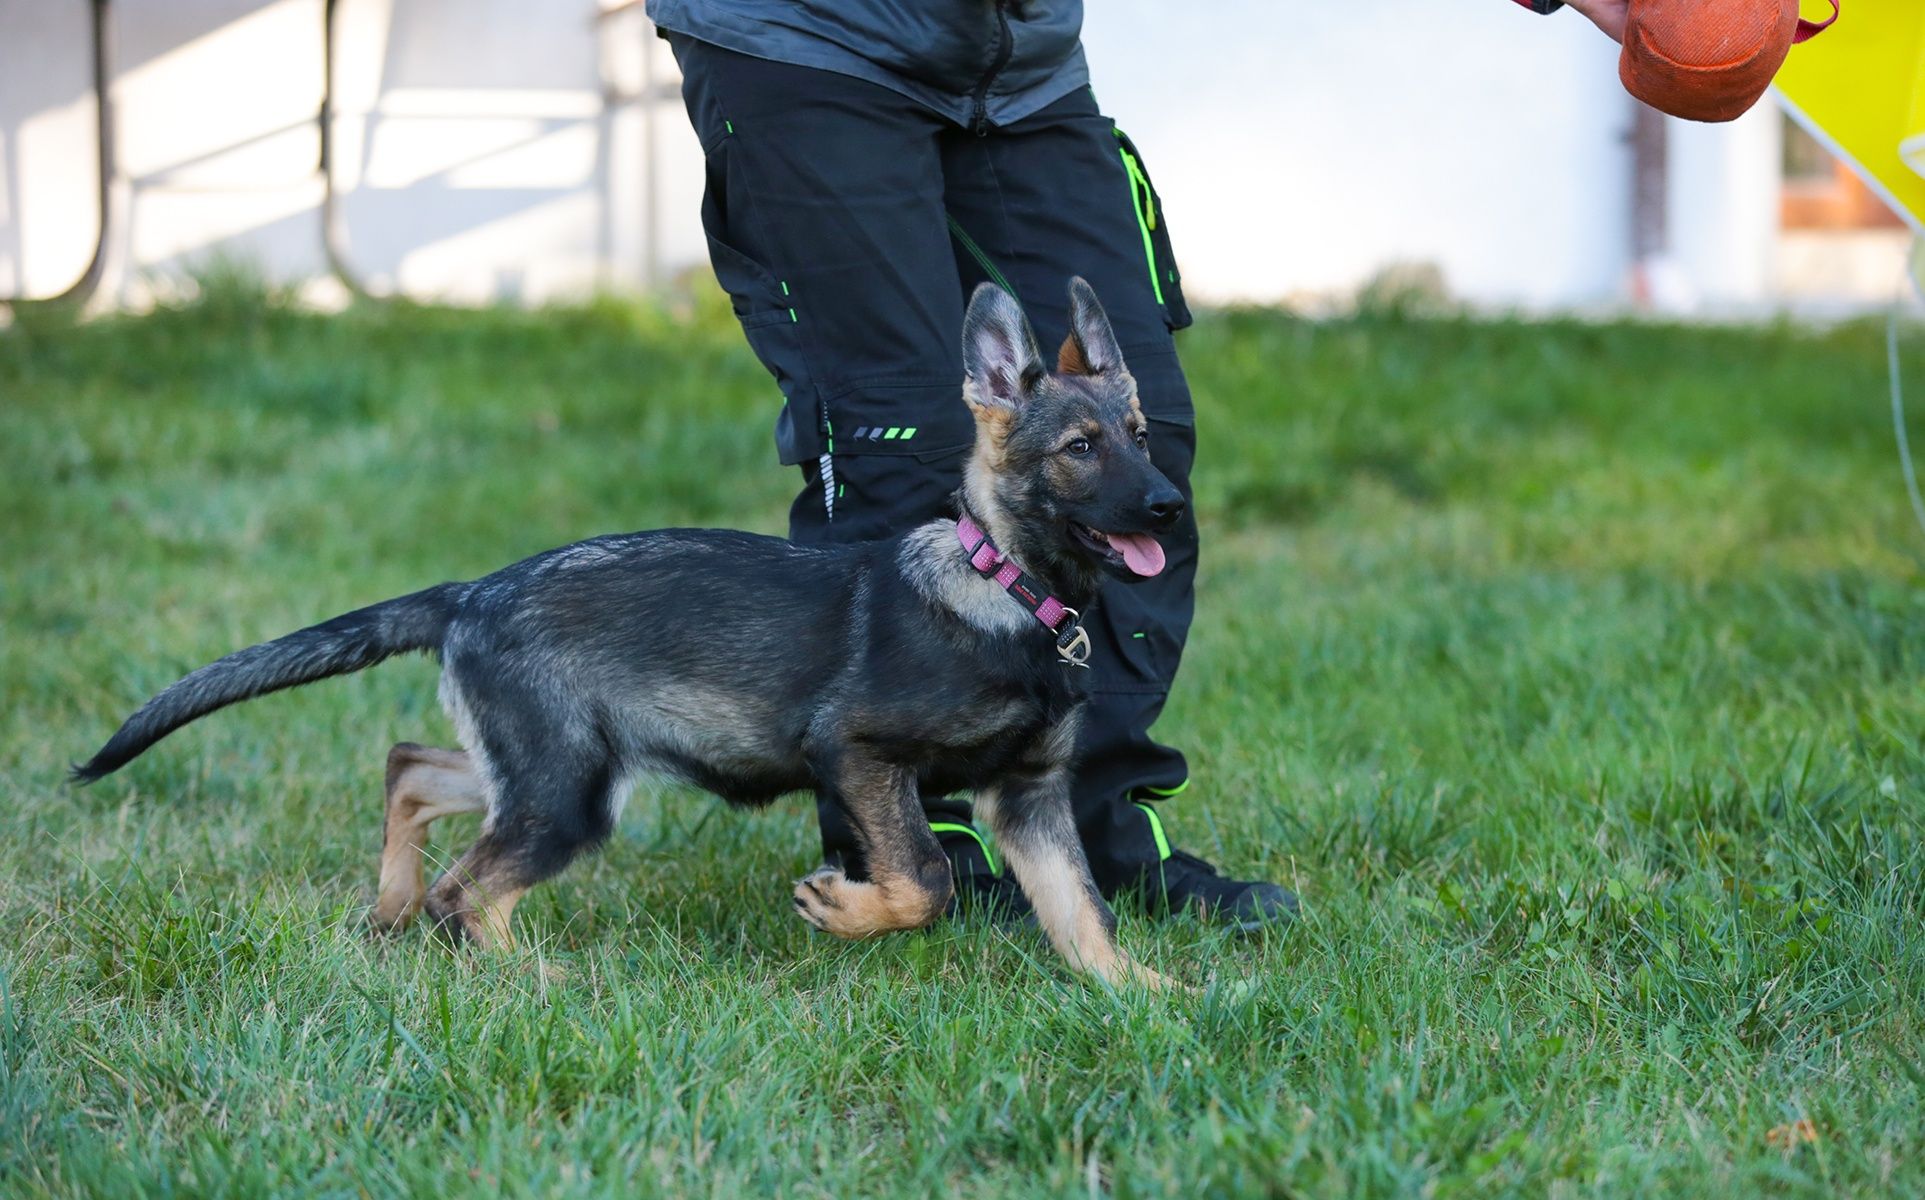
(1000, 362)
(1090, 348)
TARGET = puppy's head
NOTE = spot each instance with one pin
(1061, 468)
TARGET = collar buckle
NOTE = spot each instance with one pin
(1073, 644)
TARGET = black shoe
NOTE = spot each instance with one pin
(1184, 883)
(981, 887)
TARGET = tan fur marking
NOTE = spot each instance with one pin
(980, 495)
(423, 785)
(1070, 360)
(910, 878)
(1088, 429)
(979, 487)
(494, 914)
(993, 425)
(1055, 889)
(477, 895)
(850, 908)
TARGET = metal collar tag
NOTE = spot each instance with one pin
(1073, 643)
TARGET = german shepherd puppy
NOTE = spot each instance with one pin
(751, 667)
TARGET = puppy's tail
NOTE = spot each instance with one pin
(350, 642)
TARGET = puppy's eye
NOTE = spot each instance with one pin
(1079, 447)
(1143, 437)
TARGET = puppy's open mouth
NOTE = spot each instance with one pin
(1140, 552)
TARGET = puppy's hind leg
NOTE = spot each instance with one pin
(546, 812)
(423, 785)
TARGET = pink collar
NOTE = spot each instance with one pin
(1059, 618)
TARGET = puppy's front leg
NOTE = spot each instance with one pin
(1036, 833)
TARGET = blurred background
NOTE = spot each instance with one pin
(530, 150)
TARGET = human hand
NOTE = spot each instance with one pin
(1608, 15)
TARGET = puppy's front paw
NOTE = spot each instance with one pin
(834, 903)
(392, 914)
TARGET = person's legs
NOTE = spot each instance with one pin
(1057, 194)
(848, 225)
(825, 224)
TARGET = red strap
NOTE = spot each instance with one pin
(1811, 29)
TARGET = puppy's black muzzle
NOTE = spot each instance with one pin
(1164, 507)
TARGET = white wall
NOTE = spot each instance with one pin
(1299, 148)
(1722, 209)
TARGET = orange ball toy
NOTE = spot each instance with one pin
(1708, 60)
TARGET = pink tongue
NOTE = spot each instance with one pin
(1141, 552)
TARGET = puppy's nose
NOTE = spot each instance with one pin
(1165, 506)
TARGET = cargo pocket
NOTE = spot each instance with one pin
(763, 305)
(1136, 650)
(925, 420)
(1159, 260)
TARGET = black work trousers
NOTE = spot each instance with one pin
(849, 224)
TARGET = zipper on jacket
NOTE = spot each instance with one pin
(979, 122)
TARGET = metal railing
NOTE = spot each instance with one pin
(83, 287)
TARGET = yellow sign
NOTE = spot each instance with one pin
(1859, 87)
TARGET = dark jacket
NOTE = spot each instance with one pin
(978, 62)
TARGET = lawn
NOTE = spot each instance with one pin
(1570, 672)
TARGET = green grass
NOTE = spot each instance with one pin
(1570, 672)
